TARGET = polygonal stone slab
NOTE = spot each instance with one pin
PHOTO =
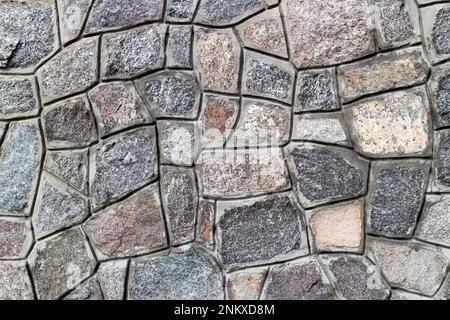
(111, 276)
(29, 34)
(323, 32)
(260, 230)
(440, 174)
(20, 158)
(190, 274)
(130, 53)
(118, 106)
(72, 14)
(15, 283)
(395, 198)
(173, 94)
(409, 265)
(72, 70)
(180, 10)
(267, 77)
(439, 92)
(109, 15)
(436, 31)
(337, 228)
(246, 285)
(179, 47)
(226, 12)
(18, 97)
(205, 223)
(177, 142)
(394, 124)
(130, 227)
(16, 238)
(122, 164)
(179, 197)
(434, 223)
(396, 69)
(88, 290)
(325, 174)
(69, 124)
(59, 263)
(217, 57)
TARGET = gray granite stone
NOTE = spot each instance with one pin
(88, 290)
(180, 10)
(440, 176)
(226, 12)
(433, 225)
(177, 142)
(18, 97)
(72, 14)
(436, 31)
(111, 276)
(439, 92)
(15, 284)
(179, 47)
(16, 238)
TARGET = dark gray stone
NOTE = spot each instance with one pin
(179, 47)
(225, 12)
(180, 10)
(89, 290)
(442, 160)
(188, 275)
(440, 36)
(18, 97)
(439, 89)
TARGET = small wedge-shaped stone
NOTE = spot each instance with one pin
(238, 173)
(133, 52)
(434, 223)
(59, 263)
(20, 157)
(72, 14)
(264, 32)
(57, 207)
(260, 230)
(115, 14)
(436, 31)
(191, 274)
(391, 125)
(217, 57)
(16, 238)
(122, 164)
(397, 69)
(177, 140)
(246, 285)
(133, 226)
(409, 265)
(226, 12)
(439, 91)
(15, 284)
(72, 70)
(325, 174)
(205, 223)
(88, 290)
(111, 275)
(18, 97)
(179, 47)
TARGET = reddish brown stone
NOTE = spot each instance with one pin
(205, 222)
(15, 238)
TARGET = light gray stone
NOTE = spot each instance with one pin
(18, 97)
(177, 142)
(88, 290)
(434, 221)
(16, 238)
(72, 14)
(15, 283)
(111, 276)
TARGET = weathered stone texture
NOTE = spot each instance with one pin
(434, 223)
(88, 290)
(15, 238)
(72, 14)
(225, 12)
(246, 285)
(205, 223)
(18, 97)
(439, 91)
(177, 142)
(15, 283)
(180, 10)
(436, 31)
(440, 179)
(111, 276)
(179, 47)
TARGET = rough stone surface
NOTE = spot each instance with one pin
(72, 70)
(177, 142)
(225, 12)
(133, 52)
(433, 225)
(20, 158)
(18, 97)
(440, 178)
(391, 125)
(436, 31)
(439, 91)
(179, 47)
(89, 290)
(122, 164)
(111, 276)
(72, 14)
(260, 230)
(246, 285)
(180, 10)
(15, 283)
(205, 223)
(322, 175)
(174, 94)
(191, 274)
(118, 106)
(15, 238)
(323, 32)
(395, 198)
(179, 197)
(58, 264)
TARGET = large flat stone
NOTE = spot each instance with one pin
(439, 92)
(433, 225)
(15, 284)
(19, 97)
(436, 31)
(226, 12)
(16, 238)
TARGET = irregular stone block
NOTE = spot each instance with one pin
(15, 283)
(433, 225)
(174, 94)
(130, 53)
(238, 173)
(300, 280)
(440, 177)
(356, 278)
(122, 164)
(436, 31)
(321, 127)
(262, 124)
(19, 97)
(88, 290)
(179, 47)
(325, 174)
(316, 91)
(395, 197)
(409, 265)
(322, 32)
(109, 15)
(177, 142)
(226, 12)
(217, 55)
(118, 106)
(267, 77)
(337, 228)
(205, 223)
(130, 227)
(29, 34)
(69, 124)
(395, 124)
(396, 69)
(180, 10)
(72, 70)
(264, 32)
(246, 285)
(16, 238)
(260, 230)
(72, 14)
(111, 276)
(439, 92)
(396, 23)
(20, 158)
(183, 275)
(59, 263)
(179, 197)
